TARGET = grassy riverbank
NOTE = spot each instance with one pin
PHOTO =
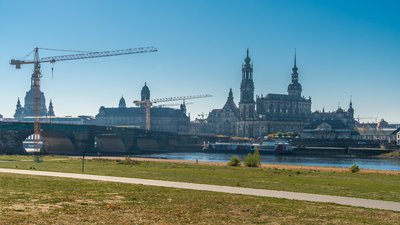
(44, 200)
(362, 185)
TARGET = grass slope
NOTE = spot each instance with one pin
(44, 200)
(362, 185)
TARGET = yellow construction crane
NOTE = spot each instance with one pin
(148, 103)
(82, 55)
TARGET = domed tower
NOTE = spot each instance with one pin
(294, 88)
(122, 103)
(350, 111)
(145, 93)
(247, 103)
(51, 109)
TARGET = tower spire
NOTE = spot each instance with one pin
(294, 87)
(351, 102)
(230, 96)
(51, 109)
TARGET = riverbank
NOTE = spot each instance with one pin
(270, 166)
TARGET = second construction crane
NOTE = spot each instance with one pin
(147, 103)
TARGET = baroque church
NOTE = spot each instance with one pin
(265, 114)
(29, 105)
(162, 119)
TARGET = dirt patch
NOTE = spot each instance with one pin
(28, 208)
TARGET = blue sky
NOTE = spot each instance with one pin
(343, 47)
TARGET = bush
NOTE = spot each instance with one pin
(235, 161)
(354, 168)
(128, 161)
(253, 160)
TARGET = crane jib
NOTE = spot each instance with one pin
(88, 55)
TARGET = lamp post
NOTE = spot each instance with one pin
(83, 161)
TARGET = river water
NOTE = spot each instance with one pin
(363, 163)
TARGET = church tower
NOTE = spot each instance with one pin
(51, 109)
(145, 93)
(350, 111)
(247, 103)
(122, 103)
(19, 111)
(294, 88)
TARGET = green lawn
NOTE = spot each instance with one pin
(363, 185)
(48, 200)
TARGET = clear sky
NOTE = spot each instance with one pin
(343, 47)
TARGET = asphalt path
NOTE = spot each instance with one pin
(349, 201)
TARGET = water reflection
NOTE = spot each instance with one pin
(366, 163)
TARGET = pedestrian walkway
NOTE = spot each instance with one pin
(358, 202)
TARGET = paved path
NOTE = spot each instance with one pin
(359, 202)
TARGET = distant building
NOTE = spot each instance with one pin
(162, 119)
(224, 121)
(381, 131)
(266, 114)
(328, 129)
(346, 117)
(397, 136)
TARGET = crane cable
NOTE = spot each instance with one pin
(64, 50)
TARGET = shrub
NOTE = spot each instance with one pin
(128, 161)
(235, 161)
(354, 168)
(253, 160)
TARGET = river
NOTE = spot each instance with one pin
(363, 163)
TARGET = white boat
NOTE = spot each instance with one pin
(275, 146)
(228, 147)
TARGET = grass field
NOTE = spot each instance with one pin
(44, 200)
(362, 185)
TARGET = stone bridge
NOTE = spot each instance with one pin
(74, 139)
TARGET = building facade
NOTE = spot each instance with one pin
(224, 121)
(271, 113)
(398, 137)
(162, 119)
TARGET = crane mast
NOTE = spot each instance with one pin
(36, 76)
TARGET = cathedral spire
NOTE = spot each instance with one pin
(51, 109)
(350, 111)
(295, 74)
(351, 103)
(294, 87)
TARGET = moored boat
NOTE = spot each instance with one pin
(275, 147)
(265, 147)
